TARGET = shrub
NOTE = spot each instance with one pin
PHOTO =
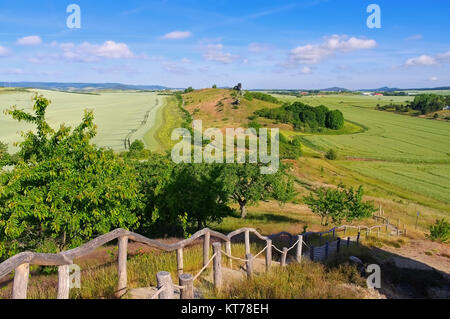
(331, 155)
(440, 231)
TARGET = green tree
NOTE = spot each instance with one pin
(63, 187)
(331, 154)
(335, 120)
(357, 209)
(214, 86)
(329, 205)
(4, 155)
(246, 186)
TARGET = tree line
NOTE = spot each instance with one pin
(304, 117)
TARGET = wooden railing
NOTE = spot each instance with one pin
(20, 263)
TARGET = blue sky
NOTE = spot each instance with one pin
(263, 44)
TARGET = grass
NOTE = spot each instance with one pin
(297, 281)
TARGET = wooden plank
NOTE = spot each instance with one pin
(164, 279)
(63, 282)
(187, 281)
(180, 265)
(217, 266)
(206, 243)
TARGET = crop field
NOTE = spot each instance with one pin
(118, 115)
(412, 154)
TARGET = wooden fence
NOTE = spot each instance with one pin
(20, 263)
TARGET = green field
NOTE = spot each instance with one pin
(407, 152)
(118, 115)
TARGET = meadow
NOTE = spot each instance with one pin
(118, 115)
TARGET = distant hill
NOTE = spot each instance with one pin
(335, 89)
(82, 86)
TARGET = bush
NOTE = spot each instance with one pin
(331, 155)
(440, 231)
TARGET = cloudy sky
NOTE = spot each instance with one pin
(263, 44)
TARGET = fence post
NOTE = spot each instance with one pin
(249, 265)
(320, 240)
(180, 265)
(298, 251)
(338, 245)
(358, 238)
(311, 253)
(164, 279)
(228, 250)
(122, 266)
(247, 242)
(206, 241)
(284, 257)
(404, 228)
(187, 281)
(217, 265)
(398, 232)
(345, 230)
(268, 254)
(63, 282)
(20, 285)
(334, 233)
(326, 250)
(348, 242)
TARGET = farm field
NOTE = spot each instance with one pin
(118, 115)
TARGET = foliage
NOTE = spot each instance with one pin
(137, 150)
(189, 90)
(260, 96)
(339, 204)
(214, 86)
(245, 184)
(290, 149)
(331, 154)
(63, 187)
(305, 117)
(180, 197)
(427, 103)
(4, 155)
(440, 231)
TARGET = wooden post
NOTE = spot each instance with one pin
(122, 266)
(320, 240)
(268, 254)
(311, 253)
(284, 257)
(187, 281)
(228, 250)
(247, 242)
(164, 279)
(398, 223)
(326, 250)
(398, 232)
(298, 251)
(20, 285)
(334, 233)
(180, 265)
(348, 242)
(345, 230)
(338, 246)
(206, 241)
(249, 265)
(63, 282)
(217, 265)
(358, 238)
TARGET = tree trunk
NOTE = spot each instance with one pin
(243, 210)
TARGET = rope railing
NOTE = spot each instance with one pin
(204, 268)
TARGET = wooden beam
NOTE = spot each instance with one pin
(20, 286)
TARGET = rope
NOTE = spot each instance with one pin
(294, 245)
(235, 258)
(260, 252)
(277, 249)
(158, 292)
(179, 287)
(206, 266)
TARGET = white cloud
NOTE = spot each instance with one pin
(30, 40)
(306, 70)
(214, 52)
(87, 52)
(173, 67)
(15, 71)
(177, 35)
(315, 53)
(444, 56)
(421, 60)
(434, 78)
(4, 51)
(258, 47)
(415, 37)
